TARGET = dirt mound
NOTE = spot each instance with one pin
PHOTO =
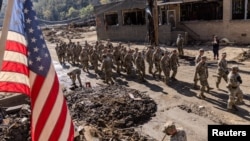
(108, 110)
(113, 106)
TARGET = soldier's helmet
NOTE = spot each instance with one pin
(168, 127)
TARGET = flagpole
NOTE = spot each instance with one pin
(5, 29)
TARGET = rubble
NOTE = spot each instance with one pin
(112, 106)
(113, 113)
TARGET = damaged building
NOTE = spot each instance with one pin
(197, 19)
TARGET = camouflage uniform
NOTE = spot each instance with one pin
(176, 134)
(156, 60)
(70, 52)
(73, 74)
(135, 54)
(107, 68)
(202, 71)
(94, 57)
(84, 60)
(149, 57)
(140, 65)
(233, 85)
(174, 63)
(222, 70)
(197, 60)
(128, 61)
(117, 59)
(179, 43)
(165, 66)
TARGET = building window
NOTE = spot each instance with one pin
(240, 9)
(202, 11)
(111, 19)
(134, 17)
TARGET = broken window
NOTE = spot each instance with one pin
(134, 17)
(240, 9)
(111, 19)
(202, 11)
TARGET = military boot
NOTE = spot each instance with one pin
(208, 89)
(235, 108)
(217, 85)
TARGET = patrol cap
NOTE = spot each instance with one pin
(168, 126)
(235, 67)
(201, 49)
(203, 57)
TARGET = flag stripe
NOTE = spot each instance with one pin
(15, 67)
(35, 89)
(40, 97)
(51, 120)
(16, 47)
(16, 37)
(15, 57)
(71, 132)
(14, 87)
(46, 110)
(66, 130)
(14, 77)
(59, 124)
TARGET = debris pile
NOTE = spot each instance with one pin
(113, 106)
(15, 123)
(112, 112)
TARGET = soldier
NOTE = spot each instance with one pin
(202, 71)
(149, 57)
(179, 43)
(117, 59)
(156, 60)
(135, 54)
(233, 85)
(84, 60)
(197, 60)
(174, 63)
(176, 134)
(107, 68)
(73, 74)
(128, 61)
(165, 66)
(140, 66)
(222, 70)
(94, 58)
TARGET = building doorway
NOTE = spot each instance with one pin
(171, 18)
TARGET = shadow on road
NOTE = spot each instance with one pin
(221, 102)
(183, 88)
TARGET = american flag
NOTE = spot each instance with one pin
(27, 68)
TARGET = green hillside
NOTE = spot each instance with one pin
(58, 10)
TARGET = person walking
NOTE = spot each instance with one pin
(216, 45)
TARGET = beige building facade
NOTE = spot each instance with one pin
(198, 19)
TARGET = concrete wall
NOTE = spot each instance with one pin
(234, 30)
(133, 33)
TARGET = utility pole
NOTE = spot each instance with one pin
(156, 23)
(152, 11)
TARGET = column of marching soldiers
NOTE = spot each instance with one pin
(124, 59)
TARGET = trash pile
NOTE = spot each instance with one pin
(107, 113)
